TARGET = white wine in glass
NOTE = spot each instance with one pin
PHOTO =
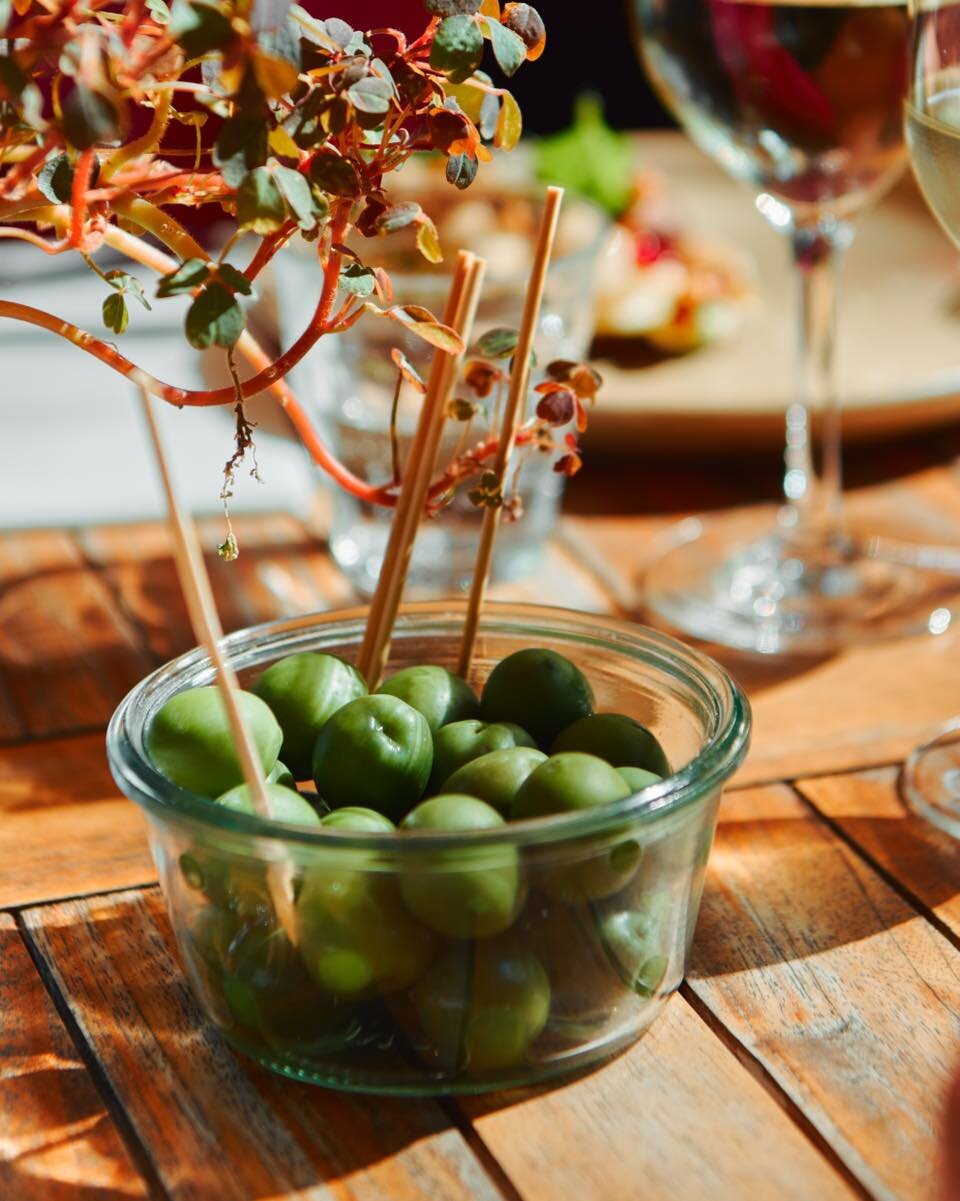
(803, 101)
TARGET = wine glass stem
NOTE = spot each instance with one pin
(812, 488)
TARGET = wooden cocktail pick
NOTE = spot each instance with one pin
(195, 585)
(519, 383)
(459, 313)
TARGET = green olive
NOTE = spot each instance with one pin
(281, 774)
(569, 782)
(638, 942)
(539, 690)
(258, 984)
(376, 752)
(463, 892)
(619, 739)
(285, 804)
(638, 778)
(190, 742)
(587, 868)
(435, 692)
(356, 938)
(461, 741)
(353, 817)
(482, 1005)
(496, 777)
(304, 690)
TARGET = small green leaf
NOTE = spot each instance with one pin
(397, 216)
(128, 285)
(407, 370)
(260, 205)
(421, 321)
(509, 123)
(214, 319)
(461, 170)
(498, 343)
(241, 145)
(115, 315)
(275, 75)
(234, 279)
(450, 8)
(340, 31)
(159, 10)
(12, 79)
(461, 410)
(370, 94)
(457, 47)
(313, 30)
(198, 28)
(335, 174)
(428, 240)
(189, 275)
(527, 23)
(55, 181)
(357, 279)
(88, 118)
(508, 47)
(297, 195)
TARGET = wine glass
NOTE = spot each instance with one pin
(804, 102)
(930, 780)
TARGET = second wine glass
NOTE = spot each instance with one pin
(804, 102)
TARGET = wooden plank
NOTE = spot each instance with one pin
(58, 1143)
(831, 981)
(675, 1117)
(282, 570)
(64, 828)
(215, 1125)
(867, 807)
(66, 654)
(865, 707)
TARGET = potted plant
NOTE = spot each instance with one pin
(295, 126)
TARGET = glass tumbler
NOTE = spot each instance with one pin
(349, 381)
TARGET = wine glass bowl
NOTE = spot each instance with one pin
(802, 101)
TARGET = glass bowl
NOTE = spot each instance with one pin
(395, 984)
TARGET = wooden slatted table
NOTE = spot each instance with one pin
(805, 1057)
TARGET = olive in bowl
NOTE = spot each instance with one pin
(461, 892)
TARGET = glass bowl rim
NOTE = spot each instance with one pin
(722, 752)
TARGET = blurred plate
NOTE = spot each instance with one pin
(898, 345)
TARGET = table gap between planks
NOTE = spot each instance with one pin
(806, 1055)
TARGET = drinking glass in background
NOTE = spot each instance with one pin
(803, 101)
(349, 381)
(930, 780)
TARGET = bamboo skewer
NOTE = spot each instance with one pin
(459, 313)
(519, 382)
(205, 622)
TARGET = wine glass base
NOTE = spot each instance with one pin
(930, 779)
(739, 581)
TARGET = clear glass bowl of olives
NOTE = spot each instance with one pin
(495, 881)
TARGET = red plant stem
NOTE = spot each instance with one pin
(78, 196)
(359, 488)
(267, 249)
(132, 15)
